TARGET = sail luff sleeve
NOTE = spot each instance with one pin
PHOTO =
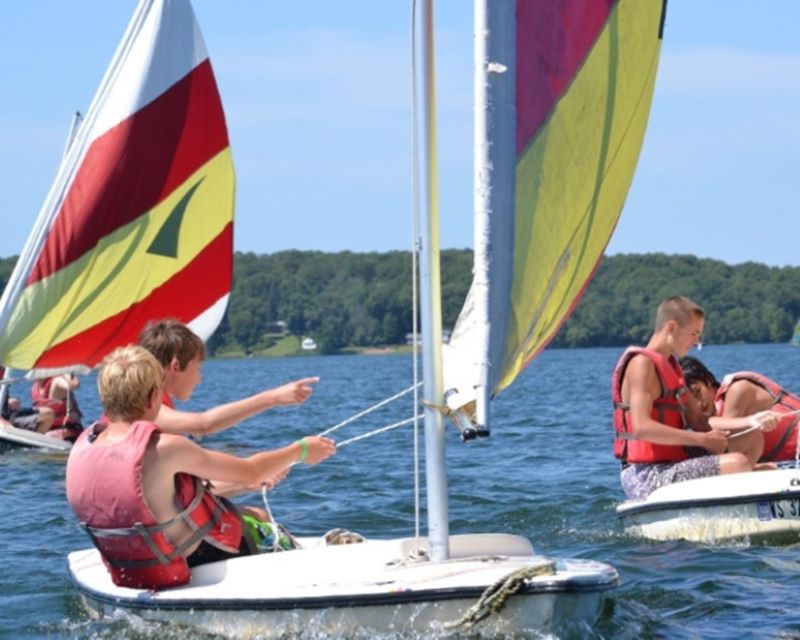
(583, 78)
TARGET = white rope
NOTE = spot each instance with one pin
(797, 449)
(756, 427)
(745, 432)
(369, 434)
(266, 502)
(367, 411)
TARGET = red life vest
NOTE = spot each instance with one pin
(40, 392)
(132, 542)
(781, 442)
(668, 409)
(166, 400)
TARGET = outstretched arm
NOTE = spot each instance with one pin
(183, 455)
(231, 489)
(227, 415)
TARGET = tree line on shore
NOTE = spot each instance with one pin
(364, 299)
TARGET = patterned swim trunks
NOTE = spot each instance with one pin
(24, 419)
(640, 480)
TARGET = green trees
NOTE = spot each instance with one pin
(745, 303)
(350, 299)
(364, 299)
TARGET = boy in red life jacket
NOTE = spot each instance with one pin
(181, 352)
(138, 491)
(57, 393)
(650, 399)
(38, 419)
(745, 399)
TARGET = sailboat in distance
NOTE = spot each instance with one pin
(795, 339)
(140, 212)
(564, 90)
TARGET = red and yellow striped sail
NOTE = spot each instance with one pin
(568, 98)
(139, 222)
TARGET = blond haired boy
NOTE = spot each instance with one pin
(139, 491)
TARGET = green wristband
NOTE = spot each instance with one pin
(303, 449)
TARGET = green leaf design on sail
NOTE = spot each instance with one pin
(166, 241)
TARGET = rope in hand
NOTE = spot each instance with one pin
(495, 597)
(756, 427)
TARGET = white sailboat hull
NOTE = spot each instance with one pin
(373, 587)
(12, 436)
(758, 507)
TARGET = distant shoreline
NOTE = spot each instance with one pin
(280, 353)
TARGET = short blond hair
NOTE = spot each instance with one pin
(677, 308)
(127, 378)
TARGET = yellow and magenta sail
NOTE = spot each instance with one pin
(139, 222)
(565, 89)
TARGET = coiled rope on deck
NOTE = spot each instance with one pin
(495, 597)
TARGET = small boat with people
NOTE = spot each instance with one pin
(385, 586)
(759, 507)
(532, 102)
(11, 436)
(759, 503)
(50, 424)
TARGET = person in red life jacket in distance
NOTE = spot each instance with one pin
(57, 393)
(745, 400)
(139, 492)
(181, 352)
(652, 439)
(38, 419)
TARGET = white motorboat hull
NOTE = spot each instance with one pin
(756, 507)
(373, 587)
(14, 437)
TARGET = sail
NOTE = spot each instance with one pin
(563, 90)
(138, 224)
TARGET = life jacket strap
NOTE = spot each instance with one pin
(146, 532)
(782, 440)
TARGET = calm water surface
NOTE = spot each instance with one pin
(547, 472)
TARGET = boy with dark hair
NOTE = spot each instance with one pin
(181, 353)
(745, 400)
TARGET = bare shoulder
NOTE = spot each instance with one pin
(746, 397)
(641, 375)
(169, 444)
(741, 386)
(641, 367)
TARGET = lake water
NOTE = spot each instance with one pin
(547, 472)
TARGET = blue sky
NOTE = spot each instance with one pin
(317, 99)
